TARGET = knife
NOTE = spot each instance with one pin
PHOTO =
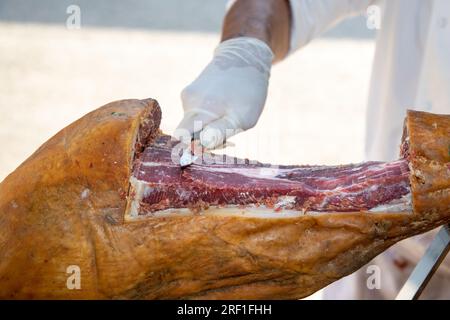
(187, 158)
(427, 266)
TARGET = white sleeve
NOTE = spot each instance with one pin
(312, 17)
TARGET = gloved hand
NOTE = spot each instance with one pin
(229, 95)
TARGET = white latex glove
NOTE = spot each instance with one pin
(229, 95)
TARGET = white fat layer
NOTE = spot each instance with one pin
(248, 211)
(254, 172)
(397, 205)
(284, 201)
(137, 188)
(152, 164)
(236, 211)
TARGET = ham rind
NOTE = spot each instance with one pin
(160, 184)
(84, 199)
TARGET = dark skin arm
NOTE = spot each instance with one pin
(266, 20)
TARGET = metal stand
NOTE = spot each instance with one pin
(426, 267)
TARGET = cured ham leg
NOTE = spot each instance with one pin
(102, 195)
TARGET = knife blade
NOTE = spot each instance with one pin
(427, 266)
(188, 157)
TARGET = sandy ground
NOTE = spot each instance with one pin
(50, 76)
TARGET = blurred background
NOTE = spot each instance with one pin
(50, 75)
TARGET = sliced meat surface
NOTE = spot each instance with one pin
(240, 182)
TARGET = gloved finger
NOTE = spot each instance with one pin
(215, 133)
(193, 121)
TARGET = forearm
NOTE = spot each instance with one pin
(266, 20)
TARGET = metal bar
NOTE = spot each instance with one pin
(426, 267)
